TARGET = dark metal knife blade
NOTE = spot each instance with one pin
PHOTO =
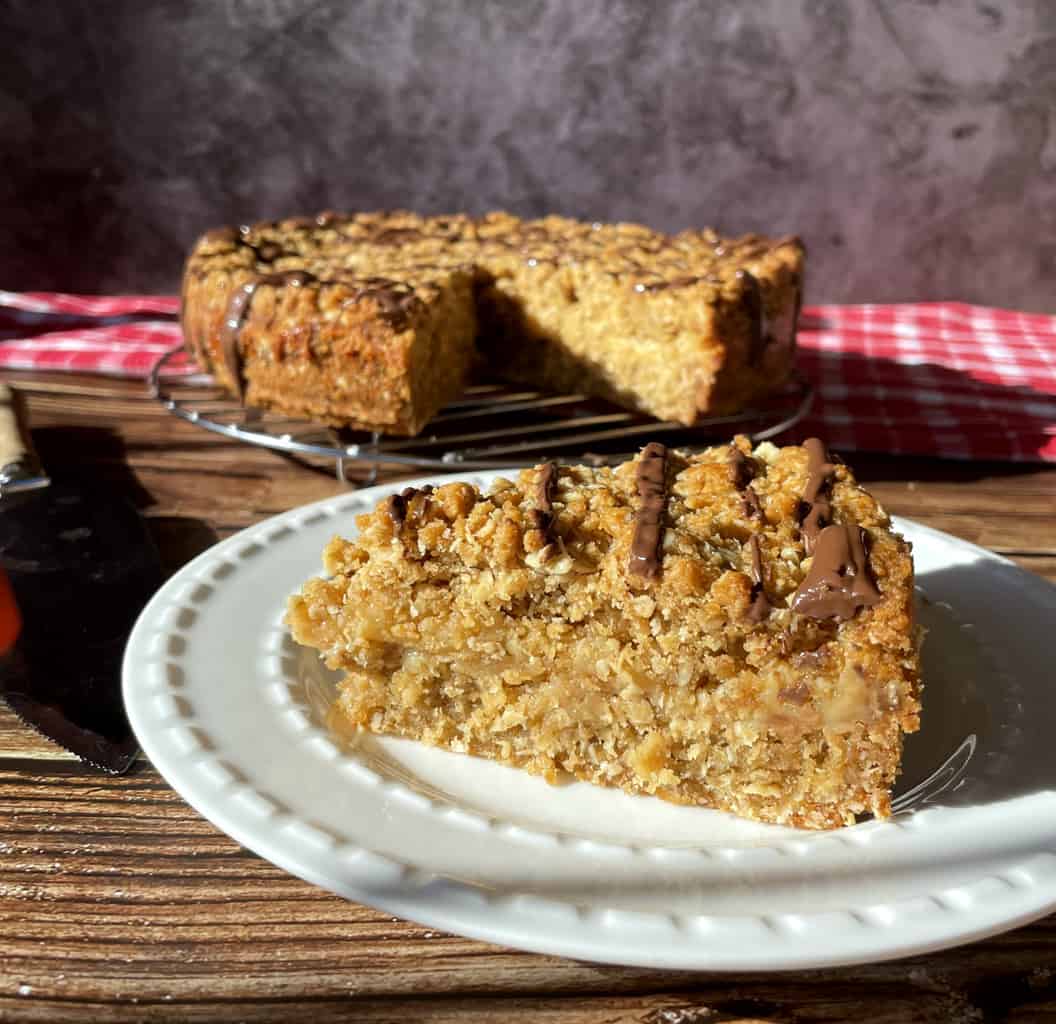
(77, 565)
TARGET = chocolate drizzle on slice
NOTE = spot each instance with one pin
(396, 506)
(541, 517)
(238, 310)
(743, 471)
(752, 507)
(816, 509)
(760, 607)
(544, 487)
(839, 582)
(650, 480)
(742, 468)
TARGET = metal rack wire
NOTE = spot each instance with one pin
(492, 425)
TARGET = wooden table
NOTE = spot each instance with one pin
(118, 902)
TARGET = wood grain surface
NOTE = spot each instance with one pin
(118, 902)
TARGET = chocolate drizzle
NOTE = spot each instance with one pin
(752, 508)
(397, 504)
(676, 282)
(839, 582)
(269, 252)
(393, 298)
(661, 286)
(753, 303)
(816, 509)
(541, 517)
(650, 480)
(238, 310)
(395, 236)
(743, 471)
(222, 236)
(742, 468)
(760, 607)
(544, 487)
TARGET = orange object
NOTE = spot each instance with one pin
(10, 619)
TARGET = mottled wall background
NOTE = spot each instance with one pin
(911, 142)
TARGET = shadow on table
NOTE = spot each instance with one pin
(92, 457)
(96, 457)
(180, 539)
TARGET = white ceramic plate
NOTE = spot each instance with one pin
(230, 711)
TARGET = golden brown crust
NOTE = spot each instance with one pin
(677, 326)
(456, 623)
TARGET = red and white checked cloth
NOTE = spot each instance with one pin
(947, 379)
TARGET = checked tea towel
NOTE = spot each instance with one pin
(943, 378)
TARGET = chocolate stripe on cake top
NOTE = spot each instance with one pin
(760, 607)
(752, 508)
(268, 252)
(816, 492)
(839, 582)
(742, 468)
(396, 506)
(544, 487)
(238, 310)
(651, 482)
(394, 299)
(541, 517)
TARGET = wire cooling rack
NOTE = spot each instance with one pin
(492, 425)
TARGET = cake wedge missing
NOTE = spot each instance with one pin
(376, 320)
(730, 629)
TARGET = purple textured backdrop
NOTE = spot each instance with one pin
(912, 143)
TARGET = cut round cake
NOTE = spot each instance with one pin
(731, 629)
(374, 320)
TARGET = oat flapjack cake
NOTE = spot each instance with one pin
(731, 629)
(374, 320)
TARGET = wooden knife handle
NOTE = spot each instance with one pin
(14, 444)
(19, 465)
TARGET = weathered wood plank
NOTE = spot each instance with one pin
(114, 890)
(817, 1003)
